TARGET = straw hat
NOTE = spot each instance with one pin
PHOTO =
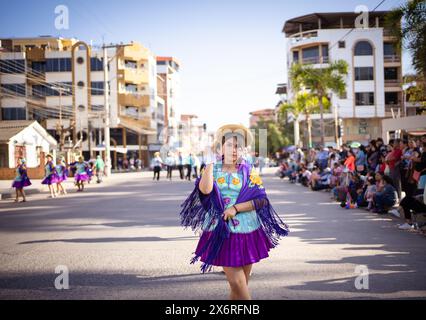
(242, 133)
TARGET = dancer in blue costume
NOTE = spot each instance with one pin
(229, 204)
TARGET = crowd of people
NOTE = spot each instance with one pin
(56, 174)
(379, 177)
(191, 165)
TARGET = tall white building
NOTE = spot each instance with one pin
(169, 89)
(373, 84)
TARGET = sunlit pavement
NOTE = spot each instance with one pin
(122, 240)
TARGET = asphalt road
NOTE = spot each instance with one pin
(122, 240)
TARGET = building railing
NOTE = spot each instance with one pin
(392, 58)
(315, 60)
(311, 34)
(392, 83)
(393, 107)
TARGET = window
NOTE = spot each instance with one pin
(58, 65)
(364, 73)
(39, 67)
(15, 89)
(97, 88)
(13, 113)
(97, 107)
(161, 63)
(12, 66)
(324, 50)
(131, 88)
(391, 73)
(295, 56)
(391, 98)
(389, 49)
(363, 48)
(342, 44)
(96, 64)
(131, 64)
(52, 89)
(310, 55)
(364, 98)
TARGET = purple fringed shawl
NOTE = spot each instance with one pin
(197, 205)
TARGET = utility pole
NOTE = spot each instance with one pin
(106, 106)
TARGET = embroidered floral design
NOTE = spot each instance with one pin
(235, 181)
(255, 179)
(221, 180)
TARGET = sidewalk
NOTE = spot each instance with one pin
(7, 192)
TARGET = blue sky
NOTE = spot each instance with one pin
(232, 52)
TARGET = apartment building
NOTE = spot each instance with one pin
(60, 83)
(374, 82)
(168, 85)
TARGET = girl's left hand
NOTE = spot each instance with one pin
(229, 213)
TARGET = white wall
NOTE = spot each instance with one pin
(332, 36)
(31, 139)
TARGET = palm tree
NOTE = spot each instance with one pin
(411, 31)
(320, 81)
(303, 103)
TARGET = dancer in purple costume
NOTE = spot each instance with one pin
(21, 180)
(229, 204)
(62, 172)
(50, 176)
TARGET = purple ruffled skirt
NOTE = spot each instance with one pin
(239, 249)
(81, 177)
(53, 178)
(21, 184)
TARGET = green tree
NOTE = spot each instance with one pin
(276, 136)
(320, 82)
(303, 103)
(408, 24)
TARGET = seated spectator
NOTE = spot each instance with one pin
(335, 174)
(315, 176)
(323, 182)
(385, 197)
(412, 205)
(305, 176)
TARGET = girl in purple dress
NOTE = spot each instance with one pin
(21, 180)
(62, 172)
(81, 173)
(229, 204)
(50, 176)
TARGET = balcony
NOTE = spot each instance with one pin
(136, 76)
(392, 58)
(134, 99)
(393, 107)
(314, 60)
(392, 83)
(305, 35)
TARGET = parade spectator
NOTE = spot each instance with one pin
(393, 159)
(361, 160)
(170, 162)
(386, 195)
(180, 163)
(350, 161)
(157, 162)
(99, 166)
